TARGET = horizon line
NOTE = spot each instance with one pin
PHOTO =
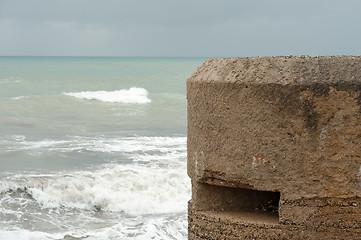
(94, 56)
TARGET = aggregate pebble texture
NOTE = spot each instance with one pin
(274, 148)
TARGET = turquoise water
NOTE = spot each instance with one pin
(93, 147)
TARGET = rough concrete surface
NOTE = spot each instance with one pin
(279, 140)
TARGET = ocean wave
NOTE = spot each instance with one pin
(116, 188)
(19, 97)
(10, 80)
(138, 148)
(157, 228)
(24, 235)
(148, 198)
(131, 96)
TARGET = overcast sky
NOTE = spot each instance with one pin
(205, 28)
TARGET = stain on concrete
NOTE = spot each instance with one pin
(310, 115)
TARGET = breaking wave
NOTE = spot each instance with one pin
(10, 80)
(143, 199)
(158, 184)
(130, 96)
(129, 189)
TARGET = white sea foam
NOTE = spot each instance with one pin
(157, 228)
(132, 95)
(19, 97)
(138, 148)
(158, 185)
(24, 235)
(10, 80)
(121, 188)
(131, 145)
(160, 228)
(153, 191)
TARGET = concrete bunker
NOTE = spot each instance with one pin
(274, 148)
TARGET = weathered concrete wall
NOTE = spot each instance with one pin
(274, 148)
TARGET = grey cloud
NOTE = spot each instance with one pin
(179, 28)
(161, 12)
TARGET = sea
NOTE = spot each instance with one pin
(93, 147)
